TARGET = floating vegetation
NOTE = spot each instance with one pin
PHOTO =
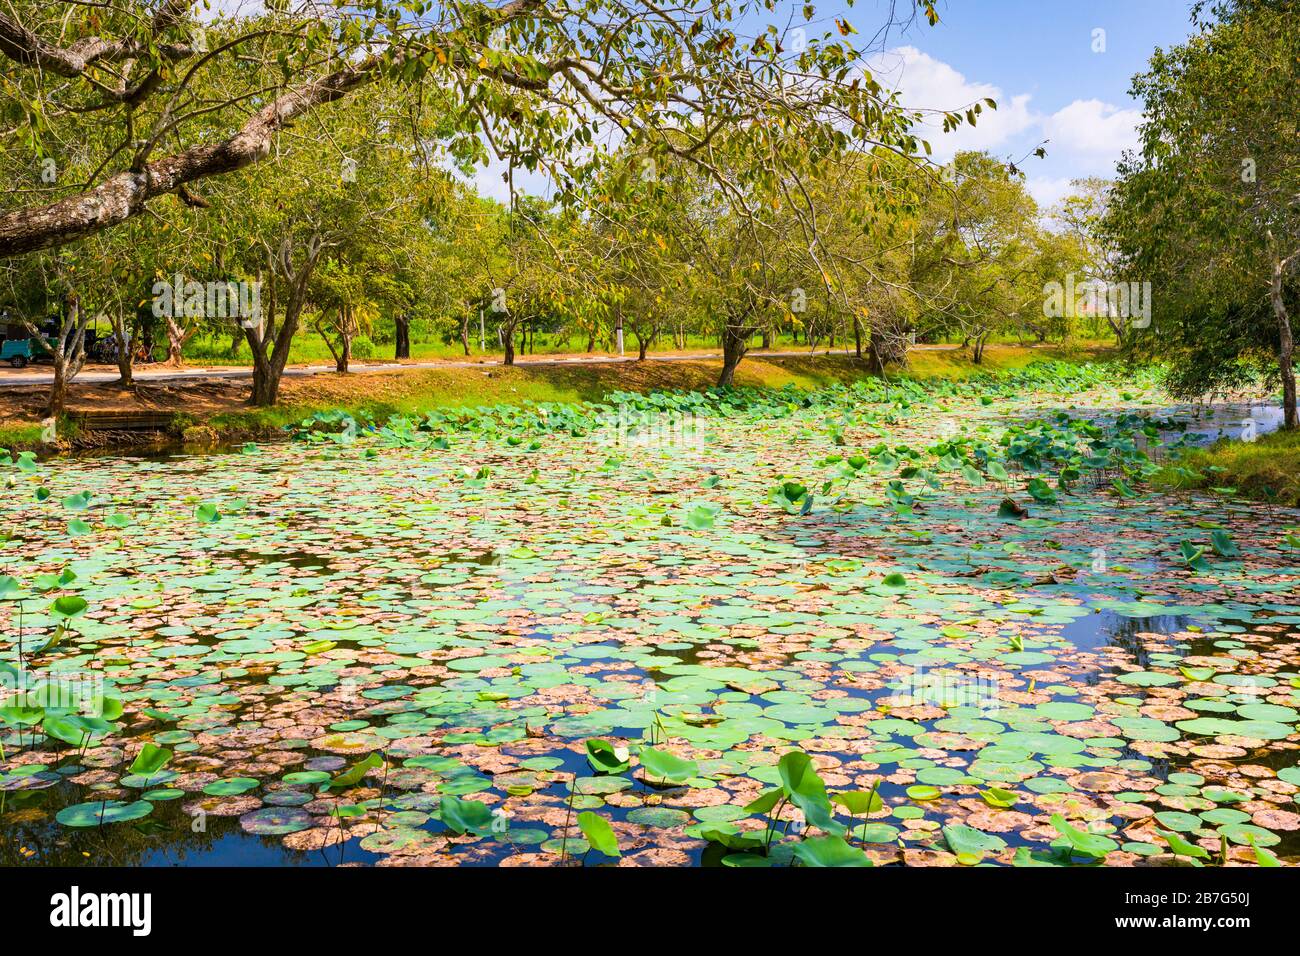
(930, 624)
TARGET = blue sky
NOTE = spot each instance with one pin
(1045, 45)
(1034, 57)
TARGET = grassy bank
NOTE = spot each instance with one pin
(310, 349)
(419, 390)
(18, 437)
(1267, 469)
(224, 414)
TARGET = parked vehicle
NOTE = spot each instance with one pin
(19, 349)
(17, 352)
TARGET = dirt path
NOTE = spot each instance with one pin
(107, 374)
(98, 374)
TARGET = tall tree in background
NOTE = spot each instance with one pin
(1081, 217)
(1207, 211)
(975, 264)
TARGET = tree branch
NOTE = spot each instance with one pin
(124, 195)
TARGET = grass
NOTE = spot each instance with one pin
(954, 363)
(417, 390)
(16, 437)
(308, 348)
(1267, 469)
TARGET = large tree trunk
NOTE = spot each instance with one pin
(266, 383)
(402, 336)
(734, 339)
(268, 368)
(1286, 345)
(123, 351)
(68, 352)
(508, 341)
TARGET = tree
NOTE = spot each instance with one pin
(527, 274)
(1081, 217)
(975, 260)
(348, 192)
(541, 83)
(1206, 211)
(67, 347)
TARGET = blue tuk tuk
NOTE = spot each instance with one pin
(17, 352)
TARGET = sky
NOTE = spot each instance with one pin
(1035, 58)
(1056, 79)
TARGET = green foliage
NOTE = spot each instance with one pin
(1206, 210)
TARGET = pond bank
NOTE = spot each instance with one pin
(1265, 469)
(217, 409)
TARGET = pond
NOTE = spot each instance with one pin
(403, 645)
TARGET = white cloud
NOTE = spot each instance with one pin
(1047, 190)
(1093, 128)
(925, 83)
(491, 183)
(214, 10)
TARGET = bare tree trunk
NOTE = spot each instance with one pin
(346, 329)
(857, 335)
(875, 361)
(508, 341)
(1286, 344)
(734, 339)
(268, 368)
(68, 352)
(176, 337)
(58, 399)
(123, 350)
(344, 360)
(887, 346)
(402, 336)
(464, 333)
(347, 332)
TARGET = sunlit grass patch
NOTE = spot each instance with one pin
(1267, 468)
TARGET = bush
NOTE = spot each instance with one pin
(363, 347)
